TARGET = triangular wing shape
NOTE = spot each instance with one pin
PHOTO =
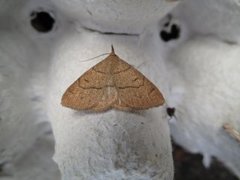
(93, 90)
(112, 83)
(135, 91)
(79, 98)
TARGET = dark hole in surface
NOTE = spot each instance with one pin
(189, 167)
(1, 167)
(2, 173)
(171, 111)
(42, 21)
(166, 24)
(172, 35)
(175, 31)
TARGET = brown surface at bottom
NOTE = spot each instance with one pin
(189, 167)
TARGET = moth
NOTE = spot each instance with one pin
(112, 83)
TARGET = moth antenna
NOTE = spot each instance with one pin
(95, 57)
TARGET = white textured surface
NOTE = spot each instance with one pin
(21, 112)
(25, 149)
(37, 163)
(121, 16)
(204, 77)
(212, 17)
(208, 73)
(110, 145)
(201, 78)
(13, 115)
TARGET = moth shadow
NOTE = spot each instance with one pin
(142, 113)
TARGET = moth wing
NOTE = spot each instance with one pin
(135, 91)
(79, 98)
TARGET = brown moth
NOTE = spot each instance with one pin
(112, 83)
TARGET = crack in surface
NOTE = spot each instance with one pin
(109, 33)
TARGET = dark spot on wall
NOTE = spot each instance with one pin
(170, 111)
(172, 34)
(2, 170)
(42, 21)
(89, 12)
(190, 167)
(166, 24)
